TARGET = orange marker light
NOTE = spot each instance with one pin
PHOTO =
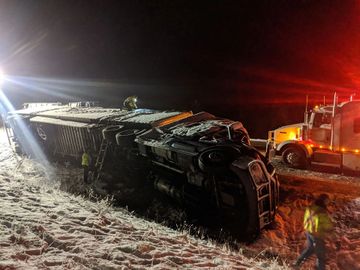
(342, 149)
(357, 151)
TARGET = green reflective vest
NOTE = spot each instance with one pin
(85, 160)
(316, 221)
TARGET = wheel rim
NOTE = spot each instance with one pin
(293, 158)
(216, 157)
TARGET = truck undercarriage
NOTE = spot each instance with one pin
(199, 160)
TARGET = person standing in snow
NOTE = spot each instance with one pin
(317, 226)
(85, 163)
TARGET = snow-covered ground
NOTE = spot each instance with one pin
(286, 238)
(298, 189)
(43, 227)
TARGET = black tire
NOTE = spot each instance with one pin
(126, 137)
(216, 158)
(248, 230)
(110, 132)
(294, 157)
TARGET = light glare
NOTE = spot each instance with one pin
(2, 77)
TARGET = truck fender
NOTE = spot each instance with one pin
(307, 150)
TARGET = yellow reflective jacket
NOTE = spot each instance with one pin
(316, 221)
(85, 159)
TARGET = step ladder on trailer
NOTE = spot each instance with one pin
(8, 130)
(101, 158)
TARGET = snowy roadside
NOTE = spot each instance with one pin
(286, 239)
(42, 227)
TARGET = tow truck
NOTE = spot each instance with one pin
(329, 136)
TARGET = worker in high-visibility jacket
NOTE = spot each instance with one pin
(317, 226)
(130, 103)
(85, 163)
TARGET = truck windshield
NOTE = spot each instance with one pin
(321, 119)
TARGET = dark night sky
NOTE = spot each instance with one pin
(252, 61)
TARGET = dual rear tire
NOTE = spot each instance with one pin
(119, 135)
(126, 137)
(109, 133)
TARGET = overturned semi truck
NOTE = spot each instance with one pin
(198, 159)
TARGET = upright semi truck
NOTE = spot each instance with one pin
(330, 136)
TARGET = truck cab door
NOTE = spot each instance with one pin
(320, 128)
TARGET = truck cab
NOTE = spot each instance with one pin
(319, 128)
(330, 135)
